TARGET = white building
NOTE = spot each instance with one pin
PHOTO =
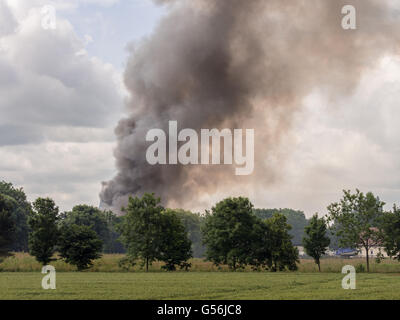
(330, 252)
(373, 252)
(301, 251)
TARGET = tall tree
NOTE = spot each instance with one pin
(175, 248)
(141, 228)
(283, 253)
(355, 220)
(316, 240)
(260, 255)
(7, 225)
(44, 235)
(228, 232)
(79, 245)
(20, 214)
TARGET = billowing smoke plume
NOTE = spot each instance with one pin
(237, 64)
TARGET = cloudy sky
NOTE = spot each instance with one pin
(61, 96)
(61, 93)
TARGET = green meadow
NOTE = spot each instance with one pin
(20, 278)
(197, 285)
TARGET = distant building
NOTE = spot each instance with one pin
(346, 252)
(375, 248)
(373, 252)
(330, 252)
(301, 251)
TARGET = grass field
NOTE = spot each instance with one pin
(198, 285)
(20, 278)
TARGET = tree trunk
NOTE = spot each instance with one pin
(147, 264)
(319, 265)
(367, 256)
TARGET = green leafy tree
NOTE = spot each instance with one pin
(141, 228)
(228, 232)
(390, 232)
(283, 253)
(260, 255)
(355, 220)
(192, 223)
(7, 225)
(175, 247)
(20, 214)
(102, 222)
(295, 218)
(44, 235)
(79, 245)
(316, 240)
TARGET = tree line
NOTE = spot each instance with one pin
(105, 222)
(232, 233)
(147, 232)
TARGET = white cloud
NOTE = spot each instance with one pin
(58, 108)
(67, 172)
(50, 84)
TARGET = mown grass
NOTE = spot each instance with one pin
(197, 285)
(22, 262)
(20, 278)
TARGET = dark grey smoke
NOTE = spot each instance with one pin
(237, 64)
